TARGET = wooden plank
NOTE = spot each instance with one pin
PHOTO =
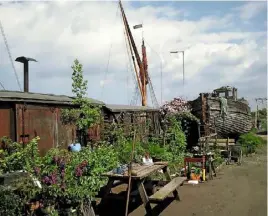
(222, 140)
(207, 137)
(218, 144)
(144, 198)
(150, 170)
(161, 163)
(144, 172)
(168, 177)
(167, 189)
(221, 144)
(136, 170)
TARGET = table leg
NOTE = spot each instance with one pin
(168, 177)
(144, 198)
(108, 188)
(213, 168)
(210, 169)
(185, 172)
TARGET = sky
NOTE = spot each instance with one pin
(225, 43)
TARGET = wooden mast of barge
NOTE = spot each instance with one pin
(142, 70)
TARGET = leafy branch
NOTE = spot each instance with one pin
(83, 114)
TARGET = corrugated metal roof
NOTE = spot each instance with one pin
(128, 108)
(39, 98)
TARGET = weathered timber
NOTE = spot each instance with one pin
(237, 120)
(167, 189)
(222, 140)
(221, 144)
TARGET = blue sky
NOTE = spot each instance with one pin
(224, 42)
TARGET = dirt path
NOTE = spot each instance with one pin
(237, 190)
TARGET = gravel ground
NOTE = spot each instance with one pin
(237, 190)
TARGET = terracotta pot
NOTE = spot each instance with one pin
(195, 176)
(34, 205)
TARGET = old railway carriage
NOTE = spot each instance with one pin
(222, 109)
(24, 115)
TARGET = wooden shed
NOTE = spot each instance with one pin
(128, 115)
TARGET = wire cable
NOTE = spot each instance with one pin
(109, 56)
(1, 84)
(9, 55)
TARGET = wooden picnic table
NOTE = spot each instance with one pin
(138, 175)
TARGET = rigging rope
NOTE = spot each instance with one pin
(130, 60)
(1, 84)
(9, 54)
(109, 56)
(153, 97)
(136, 96)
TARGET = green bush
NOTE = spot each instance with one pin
(250, 142)
(10, 203)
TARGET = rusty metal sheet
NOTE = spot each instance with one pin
(35, 121)
(66, 133)
(43, 121)
(5, 122)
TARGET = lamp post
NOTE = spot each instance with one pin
(180, 51)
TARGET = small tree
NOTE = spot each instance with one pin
(84, 114)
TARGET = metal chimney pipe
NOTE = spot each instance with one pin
(25, 62)
(26, 76)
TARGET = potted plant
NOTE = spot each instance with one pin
(156, 151)
(196, 174)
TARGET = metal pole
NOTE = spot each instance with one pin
(183, 66)
(26, 76)
(161, 82)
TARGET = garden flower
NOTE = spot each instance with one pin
(37, 170)
(55, 159)
(78, 172)
(46, 180)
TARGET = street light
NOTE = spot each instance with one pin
(177, 52)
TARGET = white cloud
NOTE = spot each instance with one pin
(251, 9)
(57, 33)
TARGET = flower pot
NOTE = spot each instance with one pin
(195, 176)
(155, 159)
(33, 205)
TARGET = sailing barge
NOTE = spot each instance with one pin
(222, 109)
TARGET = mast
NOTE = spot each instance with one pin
(142, 79)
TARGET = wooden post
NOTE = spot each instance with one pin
(130, 170)
(204, 167)
(256, 117)
(229, 151)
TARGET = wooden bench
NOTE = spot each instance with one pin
(172, 186)
(229, 147)
(221, 143)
